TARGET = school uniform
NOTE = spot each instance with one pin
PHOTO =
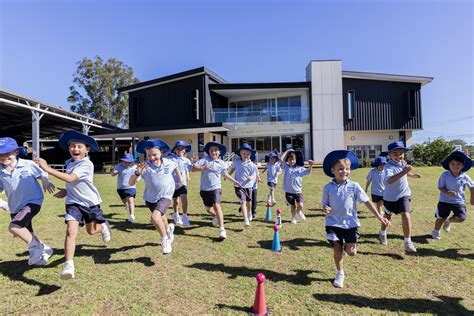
(159, 185)
(24, 193)
(82, 199)
(254, 196)
(243, 170)
(272, 174)
(184, 166)
(124, 189)
(396, 196)
(455, 204)
(293, 183)
(210, 186)
(342, 222)
(376, 177)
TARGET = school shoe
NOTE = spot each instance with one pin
(47, 253)
(177, 219)
(131, 218)
(447, 226)
(273, 202)
(106, 233)
(293, 220)
(170, 232)
(35, 254)
(383, 238)
(185, 220)
(166, 244)
(246, 222)
(435, 234)
(250, 217)
(215, 222)
(339, 280)
(409, 246)
(222, 234)
(254, 215)
(68, 272)
(301, 216)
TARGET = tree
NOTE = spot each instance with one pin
(94, 90)
(459, 142)
(432, 154)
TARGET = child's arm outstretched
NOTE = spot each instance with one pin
(180, 177)
(114, 172)
(310, 163)
(66, 177)
(367, 184)
(140, 168)
(47, 186)
(229, 177)
(406, 170)
(283, 157)
(414, 175)
(371, 207)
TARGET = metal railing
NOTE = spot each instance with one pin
(241, 116)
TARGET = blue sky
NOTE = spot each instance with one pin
(247, 41)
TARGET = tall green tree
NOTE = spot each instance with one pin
(94, 90)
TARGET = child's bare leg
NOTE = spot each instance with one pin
(293, 210)
(219, 214)
(383, 227)
(158, 221)
(379, 206)
(243, 207)
(249, 208)
(211, 210)
(351, 249)
(455, 219)
(184, 203)
(175, 204)
(439, 222)
(131, 205)
(299, 206)
(338, 257)
(93, 228)
(70, 240)
(406, 224)
(23, 233)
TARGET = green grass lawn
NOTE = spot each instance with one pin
(204, 276)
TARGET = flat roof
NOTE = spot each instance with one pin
(386, 77)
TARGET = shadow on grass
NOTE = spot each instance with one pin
(452, 253)
(445, 306)
(301, 277)
(293, 244)
(390, 255)
(234, 308)
(213, 239)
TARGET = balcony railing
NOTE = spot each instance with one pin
(241, 116)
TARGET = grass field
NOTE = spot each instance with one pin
(204, 276)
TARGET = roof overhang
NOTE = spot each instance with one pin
(238, 90)
(386, 77)
(153, 133)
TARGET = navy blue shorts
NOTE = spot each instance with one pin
(125, 193)
(376, 198)
(271, 185)
(24, 216)
(292, 198)
(244, 195)
(444, 209)
(182, 190)
(344, 235)
(209, 198)
(161, 205)
(402, 205)
(80, 213)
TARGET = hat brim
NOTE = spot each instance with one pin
(405, 149)
(71, 136)
(187, 148)
(336, 155)
(460, 155)
(222, 148)
(127, 160)
(143, 145)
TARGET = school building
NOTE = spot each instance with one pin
(331, 109)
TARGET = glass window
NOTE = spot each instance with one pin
(413, 101)
(276, 143)
(234, 144)
(350, 104)
(286, 142)
(201, 142)
(283, 105)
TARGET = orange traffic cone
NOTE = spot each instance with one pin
(260, 305)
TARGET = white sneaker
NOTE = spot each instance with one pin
(222, 234)
(215, 222)
(301, 216)
(246, 222)
(47, 253)
(383, 238)
(166, 244)
(293, 220)
(185, 220)
(68, 272)
(409, 247)
(273, 202)
(4, 205)
(435, 234)
(339, 280)
(447, 226)
(170, 232)
(250, 216)
(106, 233)
(177, 218)
(131, 218)
(35, 254)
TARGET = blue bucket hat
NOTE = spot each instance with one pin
(397, 145)
(299, 157)
(8, 144)
(127, 158)
(378, 161)
(181, 143)
(270, 155)
(244, 147)
(158, 143)
(460, 155)
(336, 155)
(75, 136)
(221, 147)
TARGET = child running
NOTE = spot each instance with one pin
(451, 185)
(293, 172)
(82, 198)
(396, 195)
(181, 192)
(18, 180)
(273, 171)
(375, 177)
(340, 197)
(157, 172)
(212, 168)
(127, 192)
(246, 173)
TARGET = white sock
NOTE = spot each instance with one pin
(69, 263)
(340, 271)
(407, 239)
(383, 232)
